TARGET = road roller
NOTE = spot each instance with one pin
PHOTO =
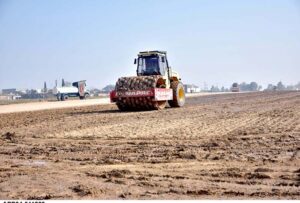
(154, 86)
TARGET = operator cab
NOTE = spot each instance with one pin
(151, 63)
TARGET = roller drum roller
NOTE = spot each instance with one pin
(138, 83)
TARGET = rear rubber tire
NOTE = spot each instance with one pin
(64, 97)
(178, 94)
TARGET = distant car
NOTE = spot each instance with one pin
(235, 87)
(76, 90)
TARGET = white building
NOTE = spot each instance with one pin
(191, 88)
(9, 97)
(39, 91)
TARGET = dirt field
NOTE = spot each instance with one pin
(235, 146)
(45, 105)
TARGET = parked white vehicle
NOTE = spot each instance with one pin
(78, 89)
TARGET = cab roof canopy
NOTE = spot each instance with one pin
(148, 53)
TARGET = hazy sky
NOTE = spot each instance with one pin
(212, 41)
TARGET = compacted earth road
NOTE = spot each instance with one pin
(231, 146)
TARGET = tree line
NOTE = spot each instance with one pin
(280, 86)
(254, 86)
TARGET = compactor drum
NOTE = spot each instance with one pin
(154, 86)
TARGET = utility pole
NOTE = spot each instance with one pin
(45, 87)
(63, 83)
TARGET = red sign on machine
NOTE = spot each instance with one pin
(159, 94)
(135, 93)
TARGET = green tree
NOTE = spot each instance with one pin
(253, 86)
(280, 86)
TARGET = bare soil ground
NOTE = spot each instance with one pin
(44, 105)
(235, 146)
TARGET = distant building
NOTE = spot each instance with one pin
(5, 97)
(94, 92)
(108, 88)
(191, 88)
(39, 91)
(15, 97)
(22, 91)
(9, 91)
(10, 97)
